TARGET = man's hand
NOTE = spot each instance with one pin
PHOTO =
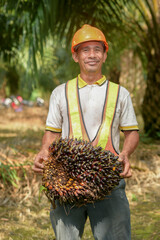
(39, 161)
(42, 156)
(123, 157)
(130, 143)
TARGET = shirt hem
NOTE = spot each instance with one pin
(52, 129)
(129, 128)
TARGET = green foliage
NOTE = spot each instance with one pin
(10, 35)
(130, 22)
(2, 73)
(9, 174)
(41, 19)
(57, 66)
(134, 198)
(41, 189)
(66, 68)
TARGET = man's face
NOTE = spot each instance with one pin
(90, 56)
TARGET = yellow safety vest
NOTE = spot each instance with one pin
(76, 124)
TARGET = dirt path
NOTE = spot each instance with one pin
(22, 216)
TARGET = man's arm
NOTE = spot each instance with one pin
(47, 139)
(130, 143)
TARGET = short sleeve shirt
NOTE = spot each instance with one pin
(92, 98)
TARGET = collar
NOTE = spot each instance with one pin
(82, 83)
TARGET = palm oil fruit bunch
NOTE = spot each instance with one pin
(78, 173)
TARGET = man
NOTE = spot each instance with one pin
(94, 109)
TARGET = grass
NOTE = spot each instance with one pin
(146, 220)
(31, 221)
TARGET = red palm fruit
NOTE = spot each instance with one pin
(78, 173)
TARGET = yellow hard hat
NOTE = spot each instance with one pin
(88, 33)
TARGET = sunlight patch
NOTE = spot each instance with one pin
(99, 229)
(66, 232)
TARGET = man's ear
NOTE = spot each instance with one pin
(104, 57)
(75, 56)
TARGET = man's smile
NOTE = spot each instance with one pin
(92, 62)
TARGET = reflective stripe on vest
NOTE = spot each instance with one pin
(76, 124)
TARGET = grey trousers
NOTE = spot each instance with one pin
(109, 218)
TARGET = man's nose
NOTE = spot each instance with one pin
(91, 53)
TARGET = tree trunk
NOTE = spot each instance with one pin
(13, 80)
(151, 102)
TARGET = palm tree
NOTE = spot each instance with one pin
(137, 21)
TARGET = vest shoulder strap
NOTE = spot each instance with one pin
(104, 136)
(76, 125)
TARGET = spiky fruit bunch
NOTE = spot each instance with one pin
(76, 172)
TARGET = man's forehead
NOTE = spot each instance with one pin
(90, 44)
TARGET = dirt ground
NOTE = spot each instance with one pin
(24, 212)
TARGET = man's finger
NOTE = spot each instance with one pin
(39, 161)
(128, 175)
(37, 170)
(126, 171)
(38, 165)
(126, 168)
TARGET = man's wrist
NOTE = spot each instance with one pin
(125, 153)
(44, 148)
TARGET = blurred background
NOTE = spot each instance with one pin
(35, 57)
